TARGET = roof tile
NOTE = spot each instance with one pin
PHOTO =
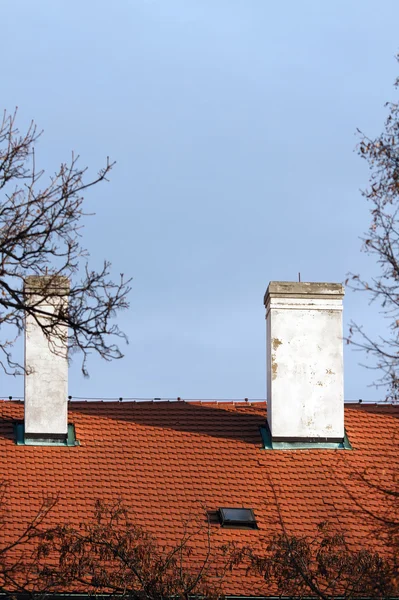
(167, 460)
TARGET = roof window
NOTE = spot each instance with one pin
(237, 517)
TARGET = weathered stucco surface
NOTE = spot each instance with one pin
(305, 360)
(46, 379)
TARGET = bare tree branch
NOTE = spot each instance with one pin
(382, 242)
(40, 234)
(111, 554)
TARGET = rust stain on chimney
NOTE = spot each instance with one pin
(275, 343)
(274, 367)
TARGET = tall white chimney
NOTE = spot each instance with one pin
(305, 400)
(46, 363)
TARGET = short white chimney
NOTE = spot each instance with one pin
(305, 399)
(46, 363)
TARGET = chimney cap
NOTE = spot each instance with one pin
(301, 289)
(47, 285)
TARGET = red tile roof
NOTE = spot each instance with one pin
(169, 460)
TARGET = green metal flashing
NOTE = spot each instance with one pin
(22, 440)
(269, 444)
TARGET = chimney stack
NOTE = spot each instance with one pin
(46, 362)
(305, 400)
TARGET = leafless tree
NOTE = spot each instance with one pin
(320, 566)
(40, 235)
(382, 242)
(326, 564)
(111, 554)
(18, 546)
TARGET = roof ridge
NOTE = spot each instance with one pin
(203, 401)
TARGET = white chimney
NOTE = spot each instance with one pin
(305, 400)
(46, 363)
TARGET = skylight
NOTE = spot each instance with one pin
(237, 517)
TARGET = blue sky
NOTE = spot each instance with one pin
(233, 126)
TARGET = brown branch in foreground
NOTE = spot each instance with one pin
(18, 549)
(321, 566)
(112, 554)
